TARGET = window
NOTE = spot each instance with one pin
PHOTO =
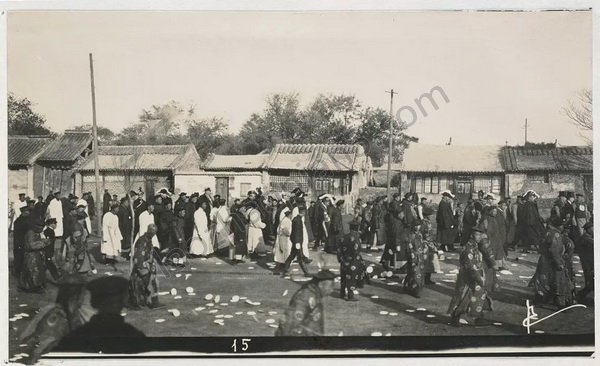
(488, 184)
(538, 178)
(426, 184)
(244, 188)
(443, 184)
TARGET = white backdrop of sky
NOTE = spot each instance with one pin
(497, 68)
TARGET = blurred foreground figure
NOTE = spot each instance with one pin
(71, 310)
(108, 297)
(304, 315)
(143, 283)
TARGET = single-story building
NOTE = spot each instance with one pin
(59, 159)
(341, 170)
(23, 170)
(502, 170)
(463, 170)
(125, 168)
(548, 169)
(229, 176)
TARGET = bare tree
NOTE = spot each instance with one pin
(579, 112)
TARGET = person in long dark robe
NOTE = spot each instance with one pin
(585, 249)
(40, 208)
(125, 226)
(106, 199)
(395, 229)
(298, 238)
(496, 232)
(519, 212)
(167, 222)
(554, 280)
(511, 225)
(446, 222)
(238, 228)
(534, 231)
(431, 260)
(143, 282)
(180, 202)
(470, 219)
(20, 227)
(414, 281)
(89, 198)
(178, 231)
(161, 223)
(322, 220)
(139, 205)
(33, 273)
(352, 267)
(50, 237)
(336, 230)
(82, 259)
(206, 197)
(470, 297)
(312, 220)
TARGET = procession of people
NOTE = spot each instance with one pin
(54, 235)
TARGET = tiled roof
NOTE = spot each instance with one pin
(235, 162)
(144, 158)
(450, 158)
(564, 158)
(317, 157)
(24, 150)
(67, 147)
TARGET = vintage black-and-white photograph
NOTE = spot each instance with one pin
(245, 182)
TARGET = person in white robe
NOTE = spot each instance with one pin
(255, 226)
(55, 211)
(201, 244)
(220, 219)
(283, 244)
(146, 218)
(111, 236)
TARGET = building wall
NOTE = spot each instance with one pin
(48, 179)
(121, 183)
(239, 183)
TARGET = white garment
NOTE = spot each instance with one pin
(201, 243)
(145, 219)
(55, 211)
(283, 244)
(220, 219)
(88, 221)
(255, 226)
(296, 212)
(111, 235)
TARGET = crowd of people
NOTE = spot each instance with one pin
(52, 234)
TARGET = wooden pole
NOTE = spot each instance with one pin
(391, 145)
(95, 148)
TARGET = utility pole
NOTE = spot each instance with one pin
(95, 148)
(526, 126)
(391, 145)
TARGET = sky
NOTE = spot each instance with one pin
(496, 68)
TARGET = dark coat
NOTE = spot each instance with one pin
(534, 231)
(106, 203)
(446, 223)
(125, 226)
(297, 235)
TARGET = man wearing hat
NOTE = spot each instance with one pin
(147, 218)
(554, 280)
(33, 270)
(106, 199)
(181, 201)
(558, 209)
(304, 315)
(21, 226)
(585, 249)
(470, 295)
(109, 294)
(50, 236)
(299, 239)
(446, 222)
(166, 196)
(533, 224)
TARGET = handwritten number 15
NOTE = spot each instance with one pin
(244, 345)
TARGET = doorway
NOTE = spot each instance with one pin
(222, 188)
(464, 190)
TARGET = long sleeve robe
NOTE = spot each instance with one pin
(201, 242)
(111, 235)
(146, 219)
(55, 211)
